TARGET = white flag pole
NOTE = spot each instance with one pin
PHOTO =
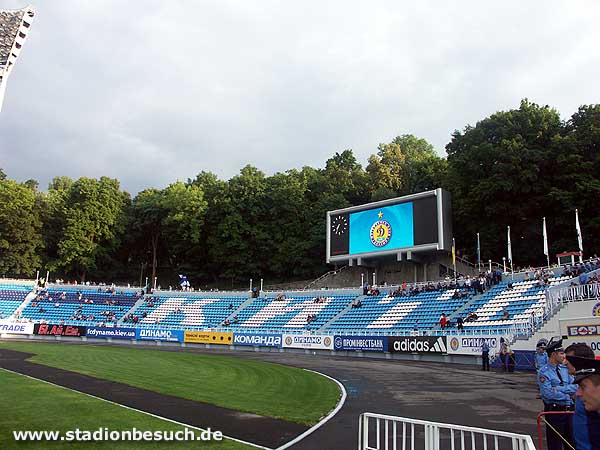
(478, 253)
(510, 259)
(546, 252)
(579, 238)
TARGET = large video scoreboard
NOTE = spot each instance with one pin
(418, 223)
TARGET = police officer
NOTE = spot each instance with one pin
(586, 420)
(541, 357)
(557, 389)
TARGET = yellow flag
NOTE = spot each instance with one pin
(453, 252)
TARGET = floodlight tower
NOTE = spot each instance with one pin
(14, 27)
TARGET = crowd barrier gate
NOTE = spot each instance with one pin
(382, 432)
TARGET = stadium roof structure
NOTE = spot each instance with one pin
(14, 27)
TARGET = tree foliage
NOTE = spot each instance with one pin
(20, 229)
(509, 169)
(94, 221)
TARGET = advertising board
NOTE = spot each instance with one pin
(308, 341)
(15, 327)
(257, 339)
(208, 337)
(111, 332)
(46, 329)
(159, 334)
(584, 329)
(471, 345)
(361, 343)
(417, 344)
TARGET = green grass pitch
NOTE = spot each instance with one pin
(266, 389)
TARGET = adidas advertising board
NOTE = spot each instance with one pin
(309, 341)
(471, 344)
(417, 344)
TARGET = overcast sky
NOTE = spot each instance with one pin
(151, 92)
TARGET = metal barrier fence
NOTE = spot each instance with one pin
(382, 432)
(575, 293)
(542, 418)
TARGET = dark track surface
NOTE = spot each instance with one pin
(438, 392)
(248, 427)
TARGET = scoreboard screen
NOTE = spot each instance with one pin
(406, 223)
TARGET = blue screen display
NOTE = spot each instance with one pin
(382, 229)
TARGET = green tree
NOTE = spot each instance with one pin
(167, 225)
(405, 166)
(240, 233)
(499, 174)
(94, 216)
(20, 229)
(576, 182)
(343, 175)
(53, 215)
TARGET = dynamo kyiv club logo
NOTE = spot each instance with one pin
(381, 232)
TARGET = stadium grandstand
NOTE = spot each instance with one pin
(14, 28)
(517, 307)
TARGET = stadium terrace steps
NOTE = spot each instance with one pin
(12, 297)
(525, 302)
(23, 305)
(234, 314)
(340, 314)
(291, 313)
(186, 310)
(87, 307)
(131, 310)
(388, 314)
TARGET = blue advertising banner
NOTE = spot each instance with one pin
(364, 343)
(257, 340)
(159, 335)
(111, 332)
(381, 229)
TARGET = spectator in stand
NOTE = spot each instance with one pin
(459, 323)
(443, 321)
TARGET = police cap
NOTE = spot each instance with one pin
(542, 343)
(585, 367)
(554, 346)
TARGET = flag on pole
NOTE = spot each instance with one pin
(509, 246)
(478, 251)
(453, 252)
(545, 238)
(578, 228)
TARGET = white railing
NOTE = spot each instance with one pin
(382, 432)
(575, 293)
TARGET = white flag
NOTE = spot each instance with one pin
(545, 239)
(509, 246)
(578, 228)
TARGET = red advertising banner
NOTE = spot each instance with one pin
(46, 329)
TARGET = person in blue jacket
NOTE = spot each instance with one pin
(557, 389)
(586, 421)
(540, 357)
